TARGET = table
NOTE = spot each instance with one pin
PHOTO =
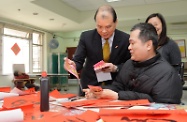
(39, 74)
(58, 113)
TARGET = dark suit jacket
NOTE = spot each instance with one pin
(89, 52)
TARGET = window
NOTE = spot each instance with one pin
(21, 47)
(37, 52)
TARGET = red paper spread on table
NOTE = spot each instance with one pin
(123, 103)
(125, 115)
(56, 94)
(83, 102)
(33, 114)
(20, 101)
(5, 89)
(30, 91)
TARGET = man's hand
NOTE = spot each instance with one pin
(88, 94)
(70, 62)
(109, 67)
(95, 88)
(106, 93)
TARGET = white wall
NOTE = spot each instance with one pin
(6, 80)
(68, 39)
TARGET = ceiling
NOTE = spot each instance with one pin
(74, 15)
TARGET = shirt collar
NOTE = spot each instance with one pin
(110, 40)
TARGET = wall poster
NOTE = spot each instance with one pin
(182, 47)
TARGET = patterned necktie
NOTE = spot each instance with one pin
(106, 51)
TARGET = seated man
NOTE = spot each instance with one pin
(24, 78)
(146, 75)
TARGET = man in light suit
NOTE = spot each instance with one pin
(90, 48)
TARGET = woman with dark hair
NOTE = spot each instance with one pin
(166, 46)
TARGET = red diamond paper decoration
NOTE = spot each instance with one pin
(15, 48)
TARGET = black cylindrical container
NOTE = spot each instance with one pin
(44, 92)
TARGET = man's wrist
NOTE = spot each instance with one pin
(116, 69)
(115, 96)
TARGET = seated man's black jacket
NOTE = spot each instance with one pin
(154, 79)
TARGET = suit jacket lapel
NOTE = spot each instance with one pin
(115, 47)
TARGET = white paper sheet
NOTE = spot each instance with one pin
(16, 115)
(59, 101)
(103, 76)
(20, 92)
(5, 94)
(1, 103)
(97, 109)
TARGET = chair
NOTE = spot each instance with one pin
(20, 83)
(181, 72)
(182, 75)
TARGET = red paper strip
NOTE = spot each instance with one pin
(56, 94)
(5, 89)
(122, 103)
(99, 65)
(83, 103)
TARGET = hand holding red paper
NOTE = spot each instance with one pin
(70, 66)
(103, 66)
(89, 92)
(99, 65)
(106, 94)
